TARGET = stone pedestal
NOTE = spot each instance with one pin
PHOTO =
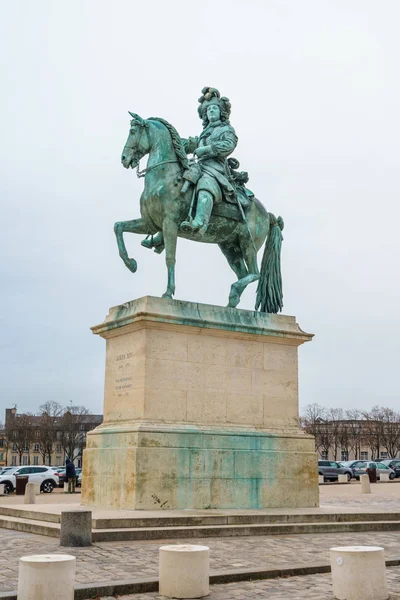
(365, 484)
(30, 493)
(359, 573)
(184, 571)
(200, 411)
(76, 528)
(46, 576)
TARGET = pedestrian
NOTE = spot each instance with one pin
(70, 475)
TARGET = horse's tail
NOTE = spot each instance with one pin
(269, 291)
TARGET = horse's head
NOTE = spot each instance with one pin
(137, 144)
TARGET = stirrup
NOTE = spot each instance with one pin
(189, 227)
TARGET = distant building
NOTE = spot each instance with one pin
(12, 453)
(348, 439)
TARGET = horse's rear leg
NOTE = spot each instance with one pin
(170, 232)
(246, 270)
(237, 263)
(135, 226)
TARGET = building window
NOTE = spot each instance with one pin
(1, 456)
(384, 455)
(324, 455)
(14, 461)
(2, 442)
(364, 455)
(58, 448)
(35, 460)
(14, 447)
(24, 460)
(58, 460)
(26, 448)
(345, 455)
(37, 432)
(36, 447)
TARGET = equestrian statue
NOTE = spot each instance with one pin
(203, 199)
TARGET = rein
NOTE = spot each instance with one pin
(144, 171)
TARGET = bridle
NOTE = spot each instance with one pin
(142, 173)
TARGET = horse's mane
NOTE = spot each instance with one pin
(176, 142)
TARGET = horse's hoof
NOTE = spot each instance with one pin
(167, 295)
(131, 264)
(234, 300)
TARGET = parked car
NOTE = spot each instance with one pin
(349, 464)
(362, 467)
(78, 477)
(42, 475)
(331, 470)
(382, 468)
(61, 477)
(392, 463)
(5, 469)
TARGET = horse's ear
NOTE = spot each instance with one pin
(137, 119)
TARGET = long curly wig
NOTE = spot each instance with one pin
(209, 96)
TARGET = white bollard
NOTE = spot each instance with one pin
(342, 478)
(184, 571)
(47, 576)
(2, 489)
(358, 573)
(30, 492)
(320, 479)
(384, 477)
(365, 484)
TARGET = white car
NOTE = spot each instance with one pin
(41, 475)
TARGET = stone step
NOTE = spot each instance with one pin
(26, 513)
(189, 527)
(158, 533)
(30, 526)
(239, 519)
(196, 520)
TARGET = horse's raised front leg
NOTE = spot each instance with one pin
(135, 226)
(170, 231)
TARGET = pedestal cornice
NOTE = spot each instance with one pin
(162, 313)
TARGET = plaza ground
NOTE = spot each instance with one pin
(112, 561)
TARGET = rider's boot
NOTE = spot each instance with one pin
(203, 214)
(154, 241)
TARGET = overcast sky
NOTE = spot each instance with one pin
(315, 93)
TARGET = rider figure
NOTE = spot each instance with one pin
(216, 142)
(216, 182)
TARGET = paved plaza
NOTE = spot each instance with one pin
(111, 561)
(308, 587)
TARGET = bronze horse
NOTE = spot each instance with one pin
(163, 207)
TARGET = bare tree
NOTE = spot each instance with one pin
(390, 439)
(20, 432)
(373, 430)
(46, 422)
(312, 418)
(73, 427)
(335, 420)
(4, 441)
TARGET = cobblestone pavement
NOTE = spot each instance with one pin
(310, 587)
(108, 561)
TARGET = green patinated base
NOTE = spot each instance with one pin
(148, 467)
(200, 411)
